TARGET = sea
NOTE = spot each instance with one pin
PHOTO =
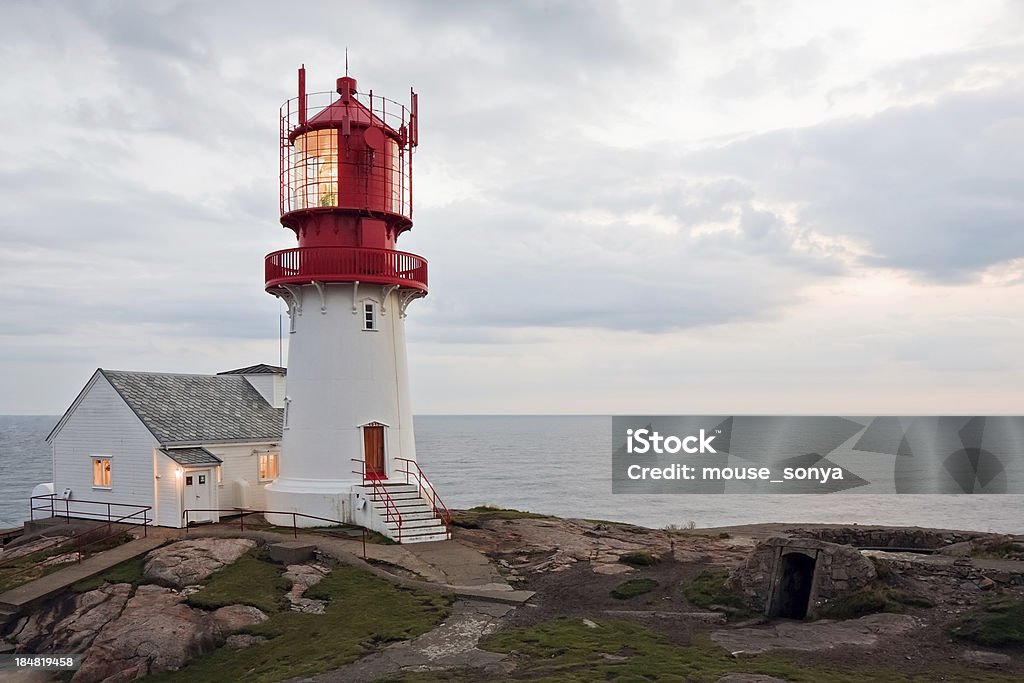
(561, 465)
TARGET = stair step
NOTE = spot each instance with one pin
(390, 488)
(415, 523)
(409, 505)
(421, 529)
(426, 514)
(424, 538)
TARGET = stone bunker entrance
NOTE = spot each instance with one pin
(795, 578)
(798, 578)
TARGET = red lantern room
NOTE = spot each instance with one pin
(346, 188)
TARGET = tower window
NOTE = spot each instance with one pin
(369, 316)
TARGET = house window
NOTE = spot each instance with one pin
(101, 473)
(369, 316)
(268, 466)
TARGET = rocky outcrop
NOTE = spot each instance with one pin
(234, 617)
(302, 577)
(72, 623)
(187, 563)
(867, 631)
(887, 537)
(155, 632)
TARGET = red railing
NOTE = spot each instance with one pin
(380, 494)
(299, 183)
(302, 265)
(415, 474)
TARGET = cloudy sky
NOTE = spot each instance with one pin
(665, 207)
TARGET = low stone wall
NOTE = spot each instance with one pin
(881, 537)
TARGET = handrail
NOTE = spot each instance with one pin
(77, 539)
(295, 527)
(391, 512)
(299, 265)
(424, 486)
(87, 514)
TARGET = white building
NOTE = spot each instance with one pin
(196, 448)
(172, 442)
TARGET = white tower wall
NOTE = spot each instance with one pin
(341, 376)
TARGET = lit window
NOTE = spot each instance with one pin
(268, 466)
(369, 316)
(101, 473)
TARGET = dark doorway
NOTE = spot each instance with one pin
(793, 593)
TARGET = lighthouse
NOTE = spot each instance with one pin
(348, 452)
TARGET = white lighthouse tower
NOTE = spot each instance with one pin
(348, 452)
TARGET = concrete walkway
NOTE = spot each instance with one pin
(15, 599)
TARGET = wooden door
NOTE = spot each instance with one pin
(373, 451)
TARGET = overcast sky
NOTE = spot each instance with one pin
(637, 207)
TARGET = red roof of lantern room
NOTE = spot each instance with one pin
(333, 115)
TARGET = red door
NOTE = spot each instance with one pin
(373, 451)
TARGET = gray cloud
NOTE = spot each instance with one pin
(545, 213)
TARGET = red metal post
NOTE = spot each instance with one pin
(302, 95)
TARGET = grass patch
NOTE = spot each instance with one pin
(475, 516)
(1002, 551)
(998, 622)
(873, 600)
(639, 559)
(566, 650)
(709, 590)
(249, 580)
(363, 612)
(633, 587)
(129, 571)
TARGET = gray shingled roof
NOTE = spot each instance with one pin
(198, 408)
(258, 369)
(191, 456)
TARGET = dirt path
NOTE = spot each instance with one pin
(452, 645)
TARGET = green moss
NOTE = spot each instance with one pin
(247, 581)
(639, 559)
(473, 517)
(709, 590)
(633, 587)
(363, 612)
(566, 650)
(873, 600)
(129, 571)
(998, 622)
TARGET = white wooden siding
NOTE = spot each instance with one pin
(102, 424)
(241, 464)
(168, 491)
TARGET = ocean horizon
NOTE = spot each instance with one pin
(561, 465)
